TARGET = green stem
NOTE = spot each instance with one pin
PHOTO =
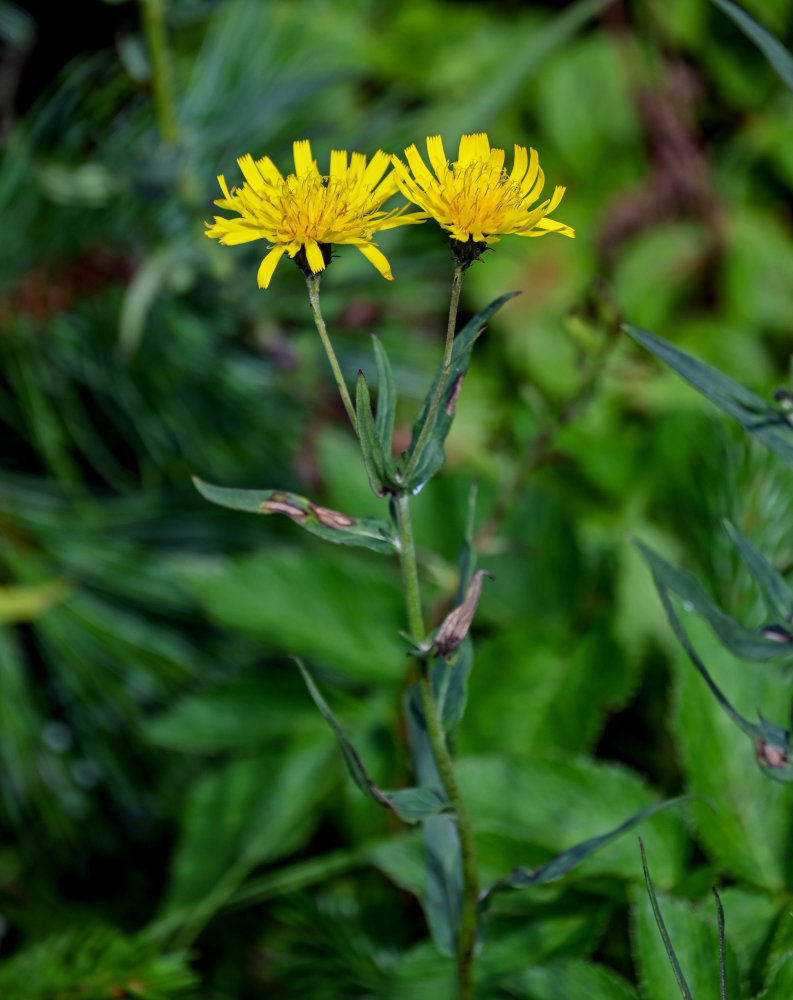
(441, 755)
(451, 326)
(312, 281)
(162, 78)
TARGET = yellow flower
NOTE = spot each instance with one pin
(474, 197)
(308, 211)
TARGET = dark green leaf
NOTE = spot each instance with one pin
(410, 804)
(425, 463)
(761, 418)
(776, 54)
(772, 743)
(386, 396)
(777, 597)
(744, 643)
(379, 468)
(556, 868)
(366, 532)
(670, 951)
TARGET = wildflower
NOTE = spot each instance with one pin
(474, 198)
(306, 212)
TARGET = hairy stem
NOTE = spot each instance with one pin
(441, 755)
(313, 297)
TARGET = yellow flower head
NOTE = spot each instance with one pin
(309, 211)
(474, 198)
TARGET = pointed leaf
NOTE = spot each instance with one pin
(772, 743)
(426, 462)
(410, 804)
(386, 396)
(761, 418)
(776, 595)
(670, 951)
(777, 55)
(333, 526)
(378, 465)
(556, 868)
(742, 642)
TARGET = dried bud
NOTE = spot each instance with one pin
(456, 624)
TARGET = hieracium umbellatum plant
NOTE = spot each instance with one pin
(304, 215)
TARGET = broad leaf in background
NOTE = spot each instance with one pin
(769, 423)
(241, 814)
(522, 877)
(311, 602)
(776, 53)
(426, 463)
(581, 800)
(333, 526)
(570, 978)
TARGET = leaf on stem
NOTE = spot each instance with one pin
(409, 804)
(740, 641)
(428, 461)
(772, 743)
(777, 55)
(379, 467)
(670, 951)
(386, 396)
(332, 525)
(767, 422)
(557, 867)
(776, 596)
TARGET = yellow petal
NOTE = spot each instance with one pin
(437, 157)
(314, 257)
(374, 256)
(268, 265)
(304, 162)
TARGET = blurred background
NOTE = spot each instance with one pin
(174, 815)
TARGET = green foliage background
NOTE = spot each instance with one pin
(175, 819)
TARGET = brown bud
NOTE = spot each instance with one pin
(456, 624)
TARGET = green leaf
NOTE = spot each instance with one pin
(775, 592)
(428, 461)
(580, 799)
(747, 834)
(237, 816)
(366, 532)
(772, 742)
(27, 602)
(680, 979)
(768, 423)
(573, 979)
(378, 466)
(776, 54)
(521, 877)
(386, 396)
(743, 642)
(410, 804)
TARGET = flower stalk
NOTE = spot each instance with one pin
(312, 280)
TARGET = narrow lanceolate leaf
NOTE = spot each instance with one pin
(742, 642)
(428, 461)
(454, 627)
(772, 743)
(778, 56)
(556, 868)
(409, 804)
(386, 396)
(332, 525)
(776, 596)
(378, 464)
(767, 422)
(670, 951)
(722, 948)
